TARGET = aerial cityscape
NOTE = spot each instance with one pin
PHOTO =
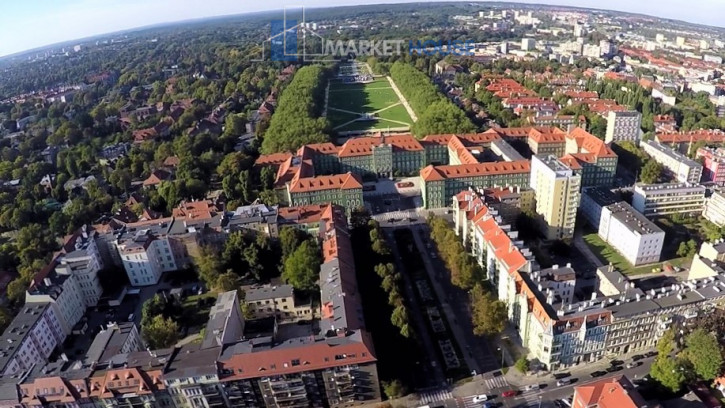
(427, 205)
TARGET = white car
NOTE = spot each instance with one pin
(480, 398)
(532, 387)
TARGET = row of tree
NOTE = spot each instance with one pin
(391, 280)
(465, 271)
(489, 314)
(436, 114)
(296, 120)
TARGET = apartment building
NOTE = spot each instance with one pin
(715, 209)
(557, 195)
(84, 261)
(510, 202)
(655, 200)
(590, 157)
(255, 218)
(682, 141)
(62, 292)
(713, 162)
(638, 239)
(439, 183)
(608, 393)
(680, 167)
(342, 189)
(562, 331)
(592, 201)
(115, 338)
(30, 338)
(623, 126)
(539, 139)
(279, 301)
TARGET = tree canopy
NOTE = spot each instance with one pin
(302, 267)
(436, 114)
(296, 120)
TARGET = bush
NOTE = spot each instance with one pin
(522, 364)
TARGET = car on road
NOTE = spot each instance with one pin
(509, 393)
(487, 405)
(634, 364)
(564, 381)
(612, 369)
(532, 387)
(559, 376)
(598, 374)
(650, 354)
(637, 357)
(480, 398)
(616, 362)
(566, 401)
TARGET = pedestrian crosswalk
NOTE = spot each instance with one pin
(497, 382)
(434, 395)
(467, 402)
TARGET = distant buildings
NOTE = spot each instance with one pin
(713, 161)
(528, 44)
(682, 141)
(681, 167)
(623, 125)
(557, 195)
(656, 200)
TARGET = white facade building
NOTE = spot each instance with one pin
(654, 200)
(715, 209)
(681, 167)
(63, 293)
(528, 44)
(638, 239)
(30, 339)
(623, 125)
(84, 262)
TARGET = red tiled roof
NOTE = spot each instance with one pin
(471, 170)
(345, 181)
(616, 392)
(363, 146)
(274, 159)
(303, 214)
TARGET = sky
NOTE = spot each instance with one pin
(27, 24)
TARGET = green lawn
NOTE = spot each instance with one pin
(607, 254)
(366, 98)
(196, 309)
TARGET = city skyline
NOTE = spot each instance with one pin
(40, 23)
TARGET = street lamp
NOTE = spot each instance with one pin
(539, 401)
(501, 349)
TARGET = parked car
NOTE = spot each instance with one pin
(598, 374)
(616, 362)
(634, 364)
(509, 393)
(480, 398)
(650, 354)
(637, 357)
(612, 369)
(566, 401)
(563, 381)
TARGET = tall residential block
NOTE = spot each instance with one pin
(557, 190)
(623, 125)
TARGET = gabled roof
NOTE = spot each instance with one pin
(615, 392)
(157, 176)
(588, 143)
(274, 159)
(345, 181)
(472, 170)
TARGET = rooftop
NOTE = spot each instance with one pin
(633, 219)
(254, 294)
(671, 153)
